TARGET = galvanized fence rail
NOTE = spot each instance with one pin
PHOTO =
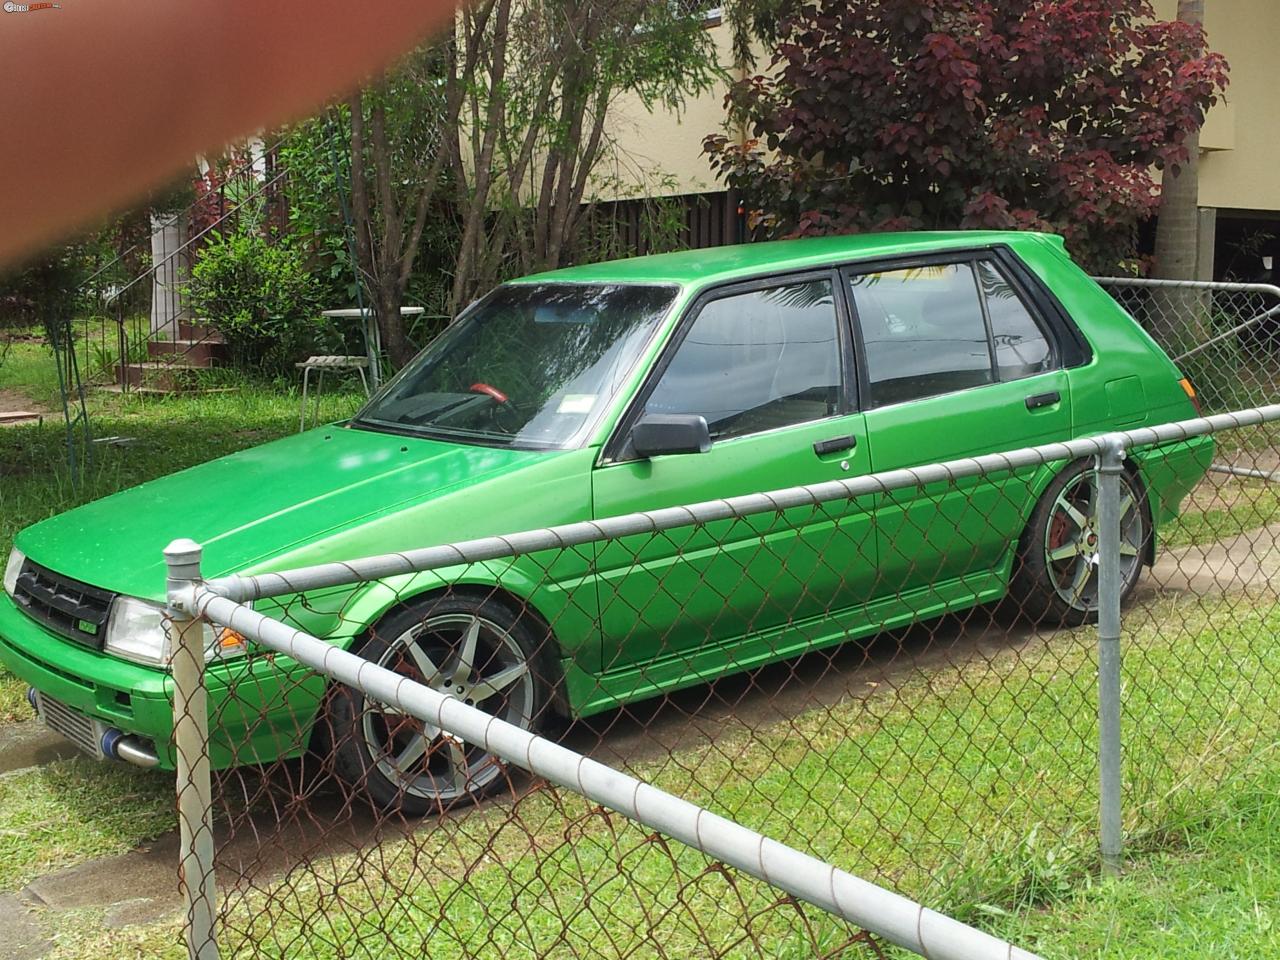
(407, 689)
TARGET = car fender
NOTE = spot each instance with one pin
(372, 601)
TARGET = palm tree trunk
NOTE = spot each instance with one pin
(1180, 316)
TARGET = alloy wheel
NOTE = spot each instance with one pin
(472, 659)
(1071, 541)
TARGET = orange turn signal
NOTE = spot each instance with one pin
(1190, 391)
(228, 639)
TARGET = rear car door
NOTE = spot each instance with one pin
(956, 362)
(768, 365)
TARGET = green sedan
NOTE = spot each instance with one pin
(601, 390)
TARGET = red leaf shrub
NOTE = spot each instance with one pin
(1035, 114)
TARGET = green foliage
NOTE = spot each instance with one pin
(43, 292)
(314, 152)
(260, 295)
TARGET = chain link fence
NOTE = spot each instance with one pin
(897, 674)
(1224, 336)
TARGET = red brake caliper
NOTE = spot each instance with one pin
(1057, 530)
(400, 724)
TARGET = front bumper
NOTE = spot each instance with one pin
(260, 708)
(92, 736)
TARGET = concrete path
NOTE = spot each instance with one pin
(31, 744)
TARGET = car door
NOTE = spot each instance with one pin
(954, 362)
(768, 367)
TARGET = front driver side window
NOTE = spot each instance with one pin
(757, 361)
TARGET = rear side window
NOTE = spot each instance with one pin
(923, 331)
(944, 327)
(757, 361)
(1021, 347)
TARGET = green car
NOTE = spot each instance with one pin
(601, 390)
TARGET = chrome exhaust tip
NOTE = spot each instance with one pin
(128, 748)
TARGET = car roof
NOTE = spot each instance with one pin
(739, 261)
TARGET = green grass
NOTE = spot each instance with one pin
(70, 811)
(1240, 506)
(13, 699)
(1214, 892)
(29, 369)
(972, 787)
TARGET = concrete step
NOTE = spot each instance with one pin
(198, 330)
(196, 353)
(161, 376)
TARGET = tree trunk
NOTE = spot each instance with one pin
(1179, 317)
(391, 325)
(380, 259)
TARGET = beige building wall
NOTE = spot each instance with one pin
(1240, 164)
(660, 154)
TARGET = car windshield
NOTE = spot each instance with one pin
(531, 365)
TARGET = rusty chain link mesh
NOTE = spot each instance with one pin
(903, 684)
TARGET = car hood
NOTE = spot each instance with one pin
(257, 504)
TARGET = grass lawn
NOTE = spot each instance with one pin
(1214, 892)
(972, 787)
(70, 811)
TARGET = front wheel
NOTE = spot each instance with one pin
(1056, 576)
(473, 649)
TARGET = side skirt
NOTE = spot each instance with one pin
(593, 693)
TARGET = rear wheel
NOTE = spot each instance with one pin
(476, 650)
(1056, 578)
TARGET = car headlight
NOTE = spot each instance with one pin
(14, 567)
(136, 631)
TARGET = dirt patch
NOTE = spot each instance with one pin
(17, 408)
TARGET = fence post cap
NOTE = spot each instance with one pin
(1115, 448)
(182, 557)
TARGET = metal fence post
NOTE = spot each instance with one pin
(1110, 467)
(191, 749)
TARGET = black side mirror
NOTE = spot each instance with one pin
(658, 433)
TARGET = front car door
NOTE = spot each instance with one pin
(768, 365)
(956, 362)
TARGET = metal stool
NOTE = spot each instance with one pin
(323, 365)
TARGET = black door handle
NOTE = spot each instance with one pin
(1043, 399)
(835, 444)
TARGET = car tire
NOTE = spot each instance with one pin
(476, 649)
(1055, 577)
